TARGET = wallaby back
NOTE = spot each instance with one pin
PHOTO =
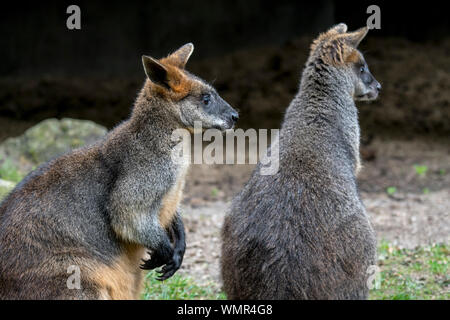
(303, 232)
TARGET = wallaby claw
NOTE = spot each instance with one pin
(157, 259)
(152, 263)
(169, 269)
(166, 272)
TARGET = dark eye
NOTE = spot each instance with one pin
(362, 69)
(206, 98)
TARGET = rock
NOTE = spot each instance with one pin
(6, 184)
(48, 139)
(5, 188)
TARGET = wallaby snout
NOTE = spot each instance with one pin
(370, 87)
(231, 116)
(223, 114)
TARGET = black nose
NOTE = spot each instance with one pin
(378, 86)
(234, 116)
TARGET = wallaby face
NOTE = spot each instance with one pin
(339, 49)
(205, 105)
(193, 100)
(367, 87)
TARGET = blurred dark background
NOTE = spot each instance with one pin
(252, 50)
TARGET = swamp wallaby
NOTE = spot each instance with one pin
(100, 207)
(303, 232)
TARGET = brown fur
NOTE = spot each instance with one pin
(120, 280)
(180, 83)
(337, 48)
(171, 201)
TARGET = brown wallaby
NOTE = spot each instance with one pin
(303, 233)
(100, 207)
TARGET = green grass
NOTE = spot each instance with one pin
(391, 190)
(178, 287)
(214, 192)
(405, 274)
(416, 274)
(421, 170)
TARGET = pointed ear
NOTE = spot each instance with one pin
(339, 28)
(155, 71)
(355, 37)
(180, 57)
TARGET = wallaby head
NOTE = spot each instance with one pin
(337, 48)
(190, 98)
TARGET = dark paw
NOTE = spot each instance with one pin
(150, 264)
(170, 268)
(155, 261)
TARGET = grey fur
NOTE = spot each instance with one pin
(303, 233)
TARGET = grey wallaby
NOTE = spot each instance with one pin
(303, 233)
(99, 208)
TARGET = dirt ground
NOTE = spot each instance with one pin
(416, 214)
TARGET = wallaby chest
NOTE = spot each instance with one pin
(173, 196)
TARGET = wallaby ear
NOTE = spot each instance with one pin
(180, 57)
(355, 37)
(155, 71)
(339, 28)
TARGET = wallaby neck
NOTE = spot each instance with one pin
(329, 87)
(154, 120)
(322, 120)
(153, 113)
(148, 131)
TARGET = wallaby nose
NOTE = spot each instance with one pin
(234, 116)
(378, 86)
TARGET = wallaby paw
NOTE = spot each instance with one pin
(170, 268)
(150, 264)
(155, 261)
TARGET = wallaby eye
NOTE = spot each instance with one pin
(362, 69)
(206, 98)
